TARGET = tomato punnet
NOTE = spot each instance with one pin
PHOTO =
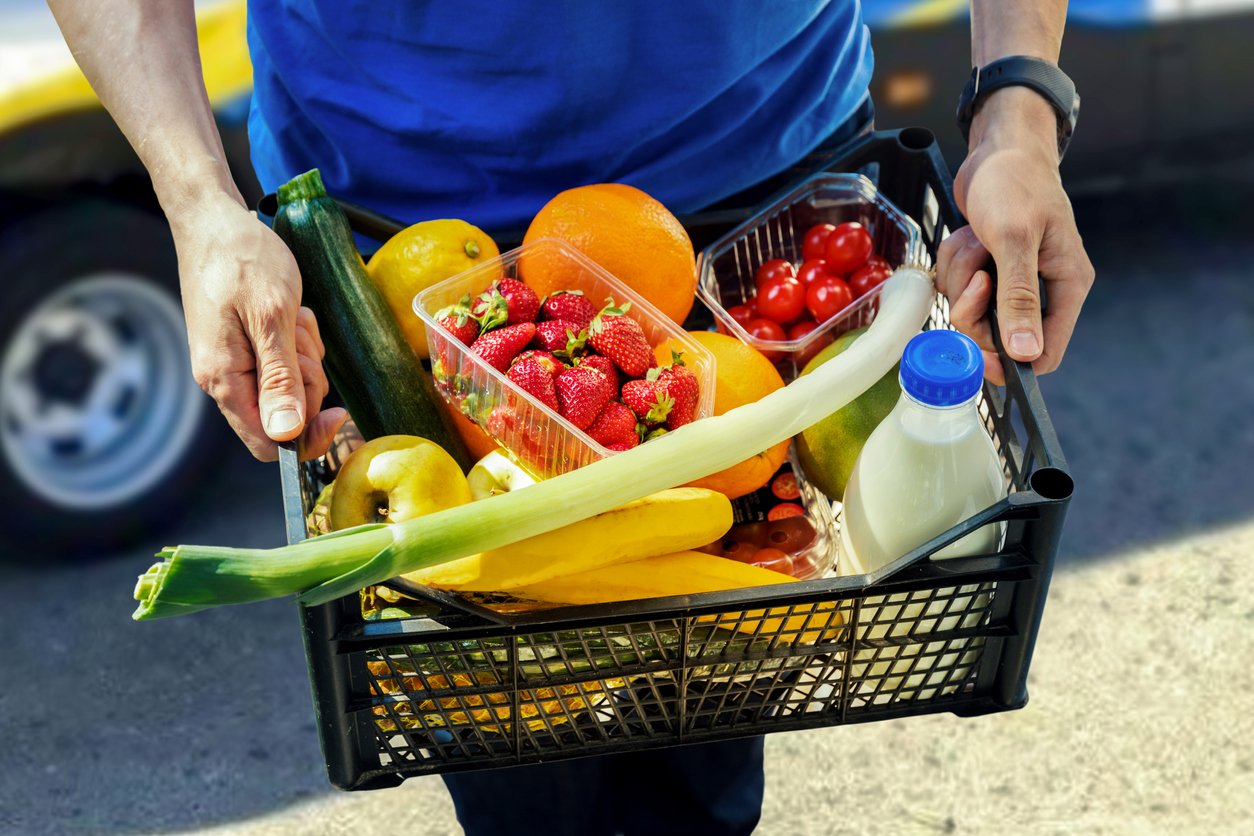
(773, 269)
(781, 300)
(742, 314)
(815, 243)
(868, 276)
(827, 297)
(765, 329)
(813, 269)
(848, 247)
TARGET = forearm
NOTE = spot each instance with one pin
(1000, 28)
(142, 60)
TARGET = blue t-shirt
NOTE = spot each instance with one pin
(484, 110)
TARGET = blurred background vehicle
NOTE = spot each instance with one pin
(102, 430)
(101, 426)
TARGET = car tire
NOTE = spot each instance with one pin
(103, 432)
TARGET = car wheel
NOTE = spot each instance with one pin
(102, 429)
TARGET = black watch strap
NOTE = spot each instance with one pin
(1022, 71)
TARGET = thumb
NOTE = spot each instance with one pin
(1019, 300)
(280, 388)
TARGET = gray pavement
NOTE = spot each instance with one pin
(1139, 704)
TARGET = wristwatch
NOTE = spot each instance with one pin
(1023, 71)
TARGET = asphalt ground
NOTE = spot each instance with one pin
(1140, 712)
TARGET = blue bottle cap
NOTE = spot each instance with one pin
(942, 368)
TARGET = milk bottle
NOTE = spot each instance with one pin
(929, 465)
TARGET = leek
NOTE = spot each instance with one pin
(192, 578)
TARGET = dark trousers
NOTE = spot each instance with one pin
(711, 789)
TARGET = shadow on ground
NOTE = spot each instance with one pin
(112, 727)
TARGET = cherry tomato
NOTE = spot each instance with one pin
(784, 486)
(773, 559)
(752, 304)
(774, 269)
(785, 509)
(813, 269)
(781, 300)
(751, 532)
(741, 313)
(742, 550)
(867, 277)
(792, 534)
(848, 247)
(802, 328)
(815, 241)
(765, 329)
(827, 297)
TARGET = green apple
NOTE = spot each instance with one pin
(396, 478)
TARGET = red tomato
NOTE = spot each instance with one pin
(765, 329)
(815, 241)
(848, 247)
(742, 550)
(784, 486)
(773, 559)
(827, 297)
(741, 313)
(802, 328)
(781, 299)
(785, 510)
(813, 269)
(752, 304)
(774, 269)
(868, 276)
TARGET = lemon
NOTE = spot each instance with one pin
(422, 255)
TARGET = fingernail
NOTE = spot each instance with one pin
(283, 421)
(1025, 344)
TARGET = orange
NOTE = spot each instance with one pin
(742, 375)
(476, 440)
(625, 231)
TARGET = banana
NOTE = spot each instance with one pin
(661, 523)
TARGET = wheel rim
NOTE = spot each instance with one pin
(97, 401)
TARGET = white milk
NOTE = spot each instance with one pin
(928, 466)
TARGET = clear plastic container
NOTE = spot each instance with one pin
(545, 442)
(726, 268)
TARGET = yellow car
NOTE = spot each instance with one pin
(101, 426)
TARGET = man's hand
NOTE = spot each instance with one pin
(254, 349)
(1010, 191)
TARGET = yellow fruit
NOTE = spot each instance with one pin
(742, 375)
(625, 231)
(680, 518)
(688, 573)
(396, 478)
(422, 255)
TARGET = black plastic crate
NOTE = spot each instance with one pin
(459, 687)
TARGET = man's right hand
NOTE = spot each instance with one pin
(254, 349)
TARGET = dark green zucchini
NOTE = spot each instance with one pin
(368, 361)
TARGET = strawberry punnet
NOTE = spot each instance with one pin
(498, 347)
(568, 305)
(615, 425)
(531, 375)
(620, 338)
(648, 400)
(565, 339)
(582, 392)
(459, 321)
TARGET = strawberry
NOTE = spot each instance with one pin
(565, 339)
(545, 358)
(581, 394)
(605, 364)
(681, 386)
(458, 321)
(615, 425)
(648, 400)
(618, 448)
(521, 301)
(569, 305)
(498, 347)
(532, 377)
(620, 338)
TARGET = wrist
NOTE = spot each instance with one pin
(1016, 117)
(186, 189)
